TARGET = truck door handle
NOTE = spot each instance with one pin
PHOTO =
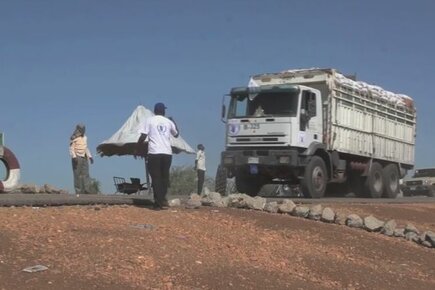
(315, 136)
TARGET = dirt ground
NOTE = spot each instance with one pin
(127, 247)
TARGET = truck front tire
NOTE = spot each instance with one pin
(221, 180)
(391, 180)
(315, 178)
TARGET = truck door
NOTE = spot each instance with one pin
(310, 118)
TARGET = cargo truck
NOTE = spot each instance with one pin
(316, 129)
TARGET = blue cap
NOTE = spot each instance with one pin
(159, 108)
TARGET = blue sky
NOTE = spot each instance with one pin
(65, 62)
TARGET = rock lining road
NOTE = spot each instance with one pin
(24, 199)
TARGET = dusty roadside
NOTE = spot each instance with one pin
(127, 247)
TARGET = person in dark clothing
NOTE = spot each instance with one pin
(159, 129)
(200, 167)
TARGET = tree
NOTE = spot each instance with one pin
(183, 180)
(94, 186)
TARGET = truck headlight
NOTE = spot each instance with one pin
(426, 182)
(228, 160)
(284, 159)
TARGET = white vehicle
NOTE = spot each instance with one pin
(314, 127)
(421, 183)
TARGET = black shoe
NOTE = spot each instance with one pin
(158, 206)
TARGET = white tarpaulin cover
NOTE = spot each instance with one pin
(362, 87)
(124, 141)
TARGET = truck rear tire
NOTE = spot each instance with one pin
(221, 180)
(251, 185)
(315, 178)
(375, 183)
(391, 180)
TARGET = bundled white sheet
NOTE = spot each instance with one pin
(123, 142)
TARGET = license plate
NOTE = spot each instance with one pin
(252, 126)
(253, 160)
(412, 188)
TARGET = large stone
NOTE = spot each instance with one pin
(225, 201)
(239, 200)
(50, 189)
(372, 224)
(328, 215)
(399, 233)
(410, 228)
(427, 244)
(271, 207)
(63, 191)
(195, 196)
(29, 188)
(430, 237)
(412, 236)
(340, 218)
(422, 237)
(174, 202)
(286, 206)
(212, 199)
(315, 212)
(354, 221)
(256, 203)
(214, 195)
(193, 203)
(219, 203)
(389, 227)
(301, 211)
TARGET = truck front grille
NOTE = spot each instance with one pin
(257, 140)
(414, 182)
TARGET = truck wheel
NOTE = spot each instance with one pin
(315, 178)
(249, 185)
(391, 180)
(221, 180)
(374, 184)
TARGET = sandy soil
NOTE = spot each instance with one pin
(126, 247)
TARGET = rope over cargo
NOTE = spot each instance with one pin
(12, 170)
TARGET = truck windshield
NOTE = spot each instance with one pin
(425, 172)
(264, 104)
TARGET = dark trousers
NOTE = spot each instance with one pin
(81, 175)
(159, 165)
(201, 177)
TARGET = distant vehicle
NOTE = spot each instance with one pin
(314, 127)
(421, 183)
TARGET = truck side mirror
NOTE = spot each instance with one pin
(223, 113)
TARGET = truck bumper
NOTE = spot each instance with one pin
(261, 158)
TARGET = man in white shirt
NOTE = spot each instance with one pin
(80, 155)
(200, 166)
(159, 129)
